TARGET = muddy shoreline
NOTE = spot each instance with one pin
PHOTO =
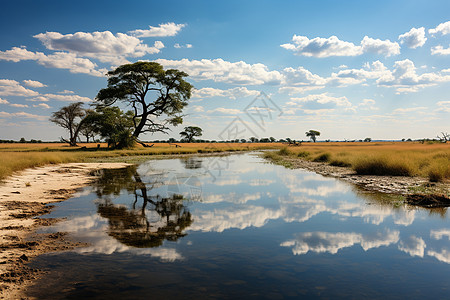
(416, 190)
(23, 198)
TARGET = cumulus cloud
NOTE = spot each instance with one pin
(233, 93)
(167, 29)
(219, 70)
(18, 105)
(405, 78)
(42, 105)
(413, 38)
(33, 83)
(443, 28)
(68, 98)
(414, 246)
(23, 114)
(386, 47)
(320, 242)
(3, 101)
(333, 46)
(367, 104)
(318, 103)
(443, 106)
(13, 88)
(439, 50)
(104, 46)
(178, 46)
(59, 60)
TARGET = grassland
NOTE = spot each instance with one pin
(16, 157)
(387, 158)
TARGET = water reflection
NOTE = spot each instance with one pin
(150, 220)
(258, 228)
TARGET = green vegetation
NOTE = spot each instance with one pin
(389, 158)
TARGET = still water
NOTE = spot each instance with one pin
(183, 228)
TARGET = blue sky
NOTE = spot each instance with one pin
(350, 69)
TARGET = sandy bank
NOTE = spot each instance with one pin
(23, 197)
(402, 185)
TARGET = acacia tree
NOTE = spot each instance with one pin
(312, 134)
(157, 96)
(113, 125)
(190, 132)
(71, 118)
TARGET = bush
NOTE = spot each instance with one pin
(340, 163)
(324, 157)
(303, 154)
(382, 167)
(284, 151)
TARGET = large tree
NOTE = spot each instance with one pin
(157, 96)
(191, 132)
(312, 134)
(112, 124)
(71, 118)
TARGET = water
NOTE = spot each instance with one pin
(167, 229)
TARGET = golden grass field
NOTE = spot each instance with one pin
(383, 158)
(375, 158)
(17, 156)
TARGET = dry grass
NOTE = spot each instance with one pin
(16, 157)
(387, 158)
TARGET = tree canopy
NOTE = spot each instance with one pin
(312, 134)
(157, 96)
(190, 132)
(71, 118)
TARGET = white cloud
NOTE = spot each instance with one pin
(66, 92)
(226, 111)
(59, 60)
(414, 246)
(443, 106)
(234, 93)
(405, 79)
(219, 70)
(18, 105)
(440, 234)
(38, 99)
(319, 102)
(33, 83)
(22, 114)
(367, 104)
(178, 46)
(322, 47)
(333, 46)
(13, 88)
(167, 29)
(104, 46)
(443, 28)
(413, 38)
(386, 47)
(42, 105)
(68, 98)
(439, 50)
(320, 242)
(409, 110)
(442, 255)
(3, 101)
(198, 108)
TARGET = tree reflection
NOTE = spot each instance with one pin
(192, 162)
(150, 220)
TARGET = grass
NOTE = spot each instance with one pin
(387, 158)
(16, 157)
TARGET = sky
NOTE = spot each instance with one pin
(348, 69)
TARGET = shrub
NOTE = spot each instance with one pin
(340, 163)
(303, 154)
(381, 167)
(284, 151)
(324, 157)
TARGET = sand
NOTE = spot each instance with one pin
(25, 196)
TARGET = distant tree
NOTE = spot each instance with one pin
(368, 140)
(243, 141)
(444, 138)
(88, 130)
(312, 134)
(157, 96)
(272, 139)
(288, 140)
(22, 140)
(113, 125)
(190, 132)
(71, 118)
(253, 139)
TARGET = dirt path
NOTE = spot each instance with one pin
(25, 196)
